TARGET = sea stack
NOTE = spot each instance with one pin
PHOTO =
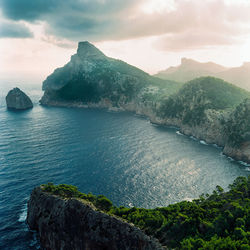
(17, 99)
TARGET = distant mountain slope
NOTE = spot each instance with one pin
(190, 69)
(239, 76)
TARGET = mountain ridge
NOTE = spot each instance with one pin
(190, 69)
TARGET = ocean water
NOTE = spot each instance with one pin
(120, 155)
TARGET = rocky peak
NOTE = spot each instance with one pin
(87, 50)
(17, 99)
(185, 60)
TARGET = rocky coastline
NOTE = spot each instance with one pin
(206, 108)
(210, 131)
(72, 223)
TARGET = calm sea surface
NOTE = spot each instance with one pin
(119, 155)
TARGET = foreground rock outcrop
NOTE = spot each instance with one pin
(76, 224)
(17, 99)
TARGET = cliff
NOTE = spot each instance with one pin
(68, 219)
(17, 99)
(73, 223)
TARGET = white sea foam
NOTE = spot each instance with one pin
(193, 138)
(23, 214)
(130, 204)
(203, 142)
(179, 133)
(244, 163)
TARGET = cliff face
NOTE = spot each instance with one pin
(75, 224)
(237, 129)
(17, 99)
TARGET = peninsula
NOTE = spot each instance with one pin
(207, 108)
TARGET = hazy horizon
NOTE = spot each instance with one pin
(150, 34)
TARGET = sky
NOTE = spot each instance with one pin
(40, 35)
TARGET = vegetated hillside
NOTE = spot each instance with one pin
(217, 221)
(238, 125)
(190, 103)
(190, 69)
(90, 76)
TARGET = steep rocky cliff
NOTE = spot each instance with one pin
(238, 132)
(71, 223)
(17, 99)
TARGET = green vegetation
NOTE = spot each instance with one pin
(238, 125)
(69, 191)
(217, 221)
(194, 98)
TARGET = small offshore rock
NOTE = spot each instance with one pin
(17, 99)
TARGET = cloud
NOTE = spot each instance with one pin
(193, 40)
(10, 29)
(187, 24)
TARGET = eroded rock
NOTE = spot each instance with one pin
(17, 99)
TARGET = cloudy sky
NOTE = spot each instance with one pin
(38, 36)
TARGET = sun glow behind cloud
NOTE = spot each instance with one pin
(154, 6)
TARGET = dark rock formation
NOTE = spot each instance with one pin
(76, 224)
(17, 99)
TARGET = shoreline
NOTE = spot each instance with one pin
(139, 110)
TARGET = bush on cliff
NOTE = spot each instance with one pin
(70, 191)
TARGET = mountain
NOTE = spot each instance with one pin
(92, 77)
(240, 76)
(190, 69)
(201, 108)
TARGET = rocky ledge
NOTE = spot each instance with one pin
(76, 224)
(17, 99)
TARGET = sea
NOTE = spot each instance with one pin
(118, 154)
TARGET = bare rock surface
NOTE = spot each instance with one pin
(17, 99)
